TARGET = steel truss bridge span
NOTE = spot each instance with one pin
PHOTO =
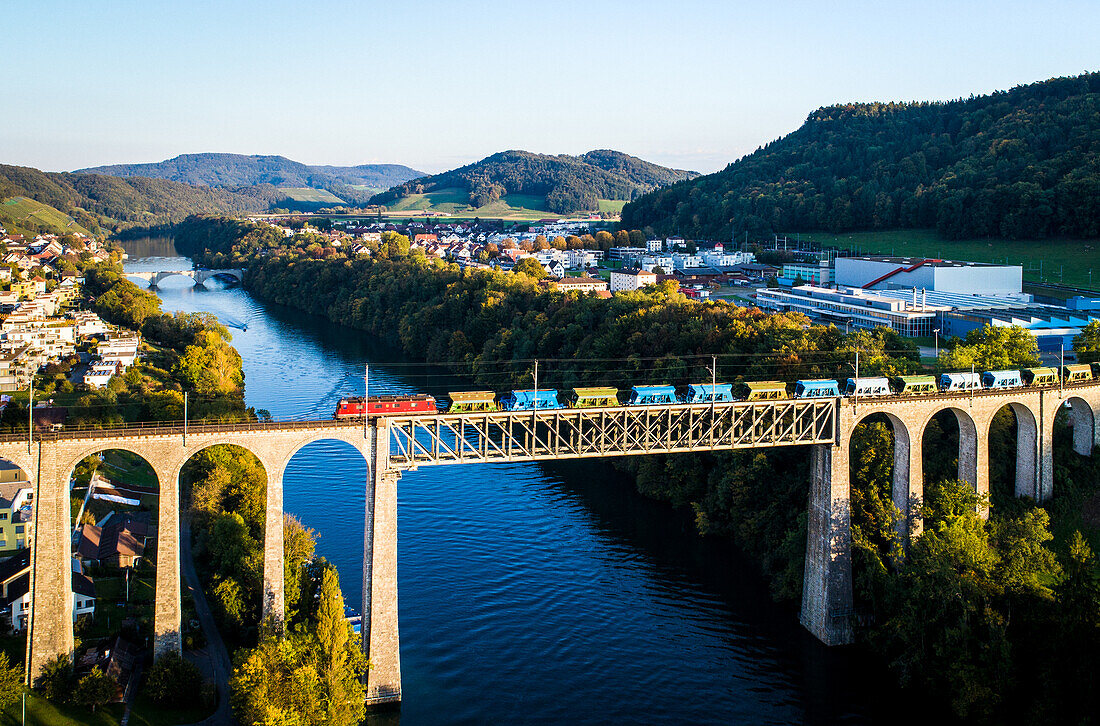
(571, 433)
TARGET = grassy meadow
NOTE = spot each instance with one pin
(314, 196)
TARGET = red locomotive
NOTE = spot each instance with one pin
(385, 405)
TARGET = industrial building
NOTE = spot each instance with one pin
(855, 308)
(891, 273)
(920, 313)
(818, 272)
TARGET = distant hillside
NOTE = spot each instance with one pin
(1019, 164)
(95, 201)
(560, 184)
(235, 170)
(23, 215)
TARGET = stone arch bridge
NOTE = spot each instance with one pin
(393, 444)
(199, 276)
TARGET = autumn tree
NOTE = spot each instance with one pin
(530, 267)
(339, 658)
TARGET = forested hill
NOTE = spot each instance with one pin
(95, 201)
(234, 170)
(1020, 164)
(566, 183)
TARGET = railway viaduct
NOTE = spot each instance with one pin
(393, 444)
(199, 276)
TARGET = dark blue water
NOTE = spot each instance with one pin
(529, 593)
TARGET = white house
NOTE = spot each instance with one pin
(631, 279)
(665, 262)
(719, 258)
(686, 262)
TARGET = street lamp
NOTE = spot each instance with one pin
(936, 331)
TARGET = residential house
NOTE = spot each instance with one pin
(120, 542)
(555, 269)
(577, 284)
(631, 279)
(665, 262)
(15, 597)
(16, 365)
(16, 510)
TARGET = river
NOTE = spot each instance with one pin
(534, 594)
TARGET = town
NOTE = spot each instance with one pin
(930, 299)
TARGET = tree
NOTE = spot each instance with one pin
(339, 659)
(57, 680)
(173, 681)
(274, 685)
(771, 282)
(211, 367)
(95, 689)
(993, 348)
(658, 270)
(394, 246)
(298, 548)
(1079, 589)
(11, 682)
(530, 267)
(1087, 344)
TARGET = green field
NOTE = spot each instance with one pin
(43, 713)
(18, 210)
(455, 201)
(611, 206)
(1062, 261)
(365, 188)
(314, 196)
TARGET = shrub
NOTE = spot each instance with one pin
(173, 681)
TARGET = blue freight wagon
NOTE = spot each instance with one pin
(816, 389)
(706, 393)
(652, 395)
(530, 400)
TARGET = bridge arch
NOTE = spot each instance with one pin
(236, 480)
(355, 441)
(969, 469)
(120, 493)
(906, 483)
(1083, 419)
(1025, 477)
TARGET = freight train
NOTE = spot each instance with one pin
(704, 393)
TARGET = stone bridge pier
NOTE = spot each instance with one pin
(827, 585)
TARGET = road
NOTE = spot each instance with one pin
(215, 646)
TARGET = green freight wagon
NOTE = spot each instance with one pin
(1040, 376)
(914, 385)
(762, 390)
(1077, 373)
(470, 401)
(594, 397)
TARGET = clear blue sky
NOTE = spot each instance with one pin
(686, 83)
